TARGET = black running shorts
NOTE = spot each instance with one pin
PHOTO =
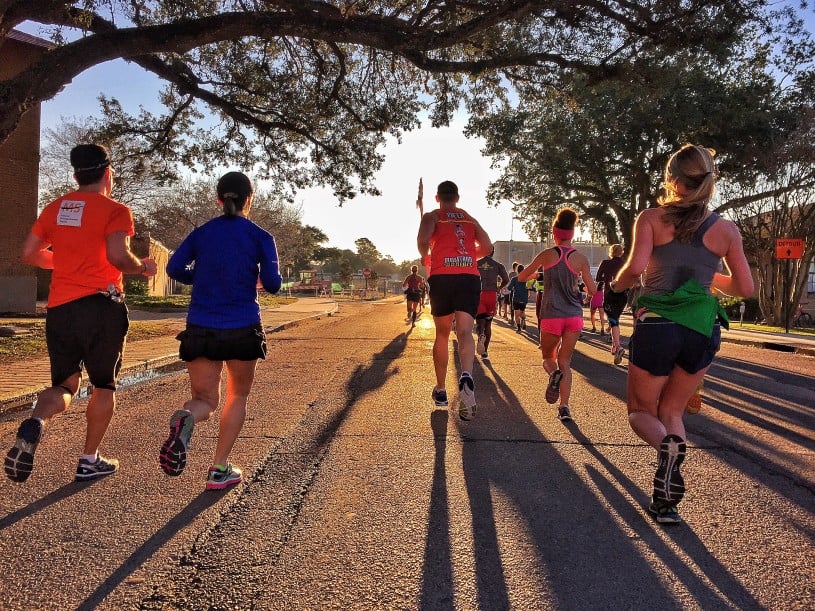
(242, 344)
(451, 293)
(413, 295)
(89, 331)
(658, 345)
(613, 306)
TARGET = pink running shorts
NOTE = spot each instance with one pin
(559, 326)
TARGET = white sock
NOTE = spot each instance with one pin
(89, 457)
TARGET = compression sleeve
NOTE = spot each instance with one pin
(269, 266)
(180, 266)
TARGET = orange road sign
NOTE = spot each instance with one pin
(789, 248)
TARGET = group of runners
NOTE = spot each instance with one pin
(84, 237)
(679, 247)
(682, 249)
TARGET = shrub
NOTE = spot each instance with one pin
(135, 286)
(731, 306)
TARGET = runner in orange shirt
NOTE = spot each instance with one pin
(413, 286)
(84, 237)
(453, 241)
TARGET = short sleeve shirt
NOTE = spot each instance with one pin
(77, 226)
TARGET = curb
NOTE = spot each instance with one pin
(779, 346)
(149, 369)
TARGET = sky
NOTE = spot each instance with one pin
(389, 221)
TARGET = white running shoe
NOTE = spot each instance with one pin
(466, 398)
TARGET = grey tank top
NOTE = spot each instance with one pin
(561, 297)
(674, 263)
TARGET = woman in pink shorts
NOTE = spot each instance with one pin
(562, 308)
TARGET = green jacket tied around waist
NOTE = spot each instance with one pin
(691, 306)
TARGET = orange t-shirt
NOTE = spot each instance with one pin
(452, 246)
(77, 226)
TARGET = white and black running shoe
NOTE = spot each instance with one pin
(669, 487)
(20, 458)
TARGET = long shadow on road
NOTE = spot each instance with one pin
(751, 399)
(146, 550)
(518, 472)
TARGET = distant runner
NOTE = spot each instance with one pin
(413, 285)
(491, 273)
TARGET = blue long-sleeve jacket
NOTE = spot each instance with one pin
(223, 260)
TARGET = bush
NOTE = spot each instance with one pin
(135, 286)
(731, 306)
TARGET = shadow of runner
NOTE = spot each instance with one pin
(704, 595)
(437, 572)
(513, 471)
(183, 518)
(60, 494)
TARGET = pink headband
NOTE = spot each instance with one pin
(562, 234)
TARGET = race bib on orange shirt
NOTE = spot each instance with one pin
(70, 213)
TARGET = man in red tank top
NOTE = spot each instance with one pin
(451, 241)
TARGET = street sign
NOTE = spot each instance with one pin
(366, 272)
(789, 248)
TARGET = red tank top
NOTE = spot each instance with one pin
(452, 247)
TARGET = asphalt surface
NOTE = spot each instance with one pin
(359, 494)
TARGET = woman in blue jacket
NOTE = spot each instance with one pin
(222, 260)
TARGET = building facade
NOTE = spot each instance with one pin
(19, 177)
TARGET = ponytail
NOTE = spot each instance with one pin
(693, 168)
(234, 189)
(232, 204)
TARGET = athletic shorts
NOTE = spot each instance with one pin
(242, 344)
(613, 306)
(559, 326)
(657, 345)
(507, 299)
(89, 331)
(519, 305)
(488, 305)
(454, 293)
(597, 300)
(413, 295)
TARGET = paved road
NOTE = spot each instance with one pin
(360, 495)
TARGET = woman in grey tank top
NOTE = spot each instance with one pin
(679, 246)
(561, 309)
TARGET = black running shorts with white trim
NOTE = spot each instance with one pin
(242, 344)
(451, 293)
(657, 345)
(89, 331)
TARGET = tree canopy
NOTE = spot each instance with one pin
(600, 147)
(304, 91)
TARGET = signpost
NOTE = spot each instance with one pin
(366, 274)
(788, 248)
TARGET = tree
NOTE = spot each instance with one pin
(304, 90)
(367, 252)
(601, 146)
(139, 179)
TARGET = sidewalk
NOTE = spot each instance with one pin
(22, 381)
